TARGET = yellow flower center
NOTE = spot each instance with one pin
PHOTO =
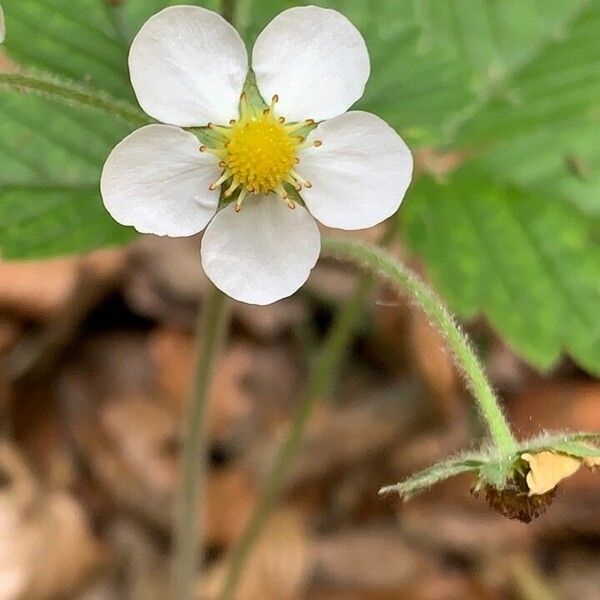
(259, 153)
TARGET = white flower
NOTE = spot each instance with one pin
(2, 25)
(188, 67)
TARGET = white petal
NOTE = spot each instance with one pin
(263, 253)
(359, 174)
(188, 66)
(2, 25)
(157, 180)
(314, 59)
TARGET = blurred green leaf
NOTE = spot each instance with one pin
(512, 86)
(421, 481)
(530, 263)
(435, 63)
(538, 125)
(515, 87)
(50, 160)
(51, 155)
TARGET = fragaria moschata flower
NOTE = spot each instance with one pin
(267, 171)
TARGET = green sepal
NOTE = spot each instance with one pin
(494, 470)
(439, 472)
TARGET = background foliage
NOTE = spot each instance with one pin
(507, 93)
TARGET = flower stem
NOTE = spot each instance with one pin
(52, 87)
(211, 328)
(380, 263)
(321, 377)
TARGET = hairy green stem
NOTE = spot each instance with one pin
(211, 329)
(380, 263)
(55, 88)
(321, 378)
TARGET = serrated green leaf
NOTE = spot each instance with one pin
(514, 83)
(50, 161)
(433, 61)
(522, 256)
(37, 221)
(87, 40)
(530, 264)
(539, 125)
(51, 155)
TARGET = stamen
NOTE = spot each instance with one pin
(281, 191)
(300, 179)
(224, 177)
(238, 203)
(312, 144)
(224, 131)
(235, 184)
(292, 127)
(246, 110)
(291, 204)
(217, 152)
(289, 179)
(258, 152)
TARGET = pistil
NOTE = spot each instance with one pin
(259, 153)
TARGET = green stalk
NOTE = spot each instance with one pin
(321, 378)
(52, 87)
(209, 338)
(211, 329)
(380, 263)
